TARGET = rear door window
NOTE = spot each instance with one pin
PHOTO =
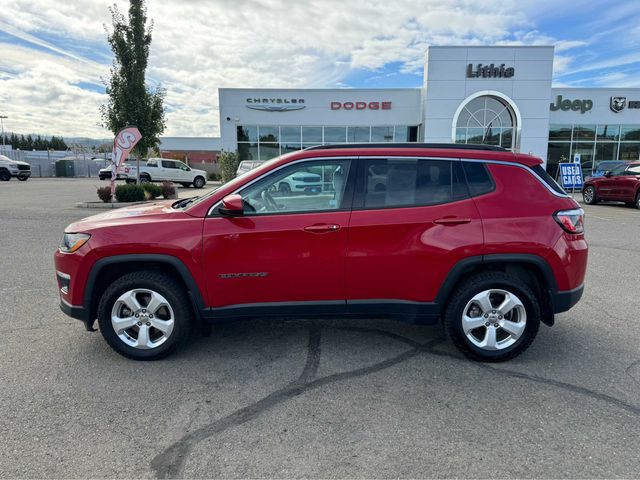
(410, 182)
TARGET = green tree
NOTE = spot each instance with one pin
(130, 101)
(229, 162)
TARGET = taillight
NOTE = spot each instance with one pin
(571, 221)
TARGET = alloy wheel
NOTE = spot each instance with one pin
(142, 318)
(494, 319)
(588, 195)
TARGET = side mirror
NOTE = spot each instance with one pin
(232, 206)
(607, 173)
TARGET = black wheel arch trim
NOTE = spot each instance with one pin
(193, 291)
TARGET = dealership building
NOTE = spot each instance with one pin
(493, 95)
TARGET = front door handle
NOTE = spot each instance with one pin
(322, 228)
(452, 221)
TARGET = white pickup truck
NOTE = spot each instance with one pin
(162, 169)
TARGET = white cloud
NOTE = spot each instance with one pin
(200, 45)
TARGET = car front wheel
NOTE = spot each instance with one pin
(145, 315)
(198, 182)
(492, 317)
(589, 195)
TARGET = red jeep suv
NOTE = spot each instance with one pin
(622, 184)
(477, 236)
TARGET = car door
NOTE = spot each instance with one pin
(183, 172)
(626, 184)
(170, 170)
(608, 187)
(412, 220)
(286, 252)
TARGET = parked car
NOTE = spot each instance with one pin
(246, 166)
(161, 170)
(478, 237)
(607, 165)
(13, 168)
(621, 184)
(121, 174)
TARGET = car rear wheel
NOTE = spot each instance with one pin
(5, 176)
(492, 317)
(589, 195)
(145, 315)
(145, 178)
(198, 182)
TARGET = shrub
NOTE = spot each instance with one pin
(104, 194)
(229, 162)
(214, 176)
(152, 190)
(168, 190)
(129, 193)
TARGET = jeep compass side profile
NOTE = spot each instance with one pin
(478, 237)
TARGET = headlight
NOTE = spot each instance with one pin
(73, 241)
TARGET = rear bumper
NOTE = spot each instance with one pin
(565, 300)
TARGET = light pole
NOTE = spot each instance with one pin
(2, 117)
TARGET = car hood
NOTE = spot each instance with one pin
(127, 215)
(18, 162)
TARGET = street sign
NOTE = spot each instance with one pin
(571, 175)
(576, 158)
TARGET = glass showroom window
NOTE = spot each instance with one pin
(263, 142)
(486, 120)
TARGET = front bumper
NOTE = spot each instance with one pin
(565, 300)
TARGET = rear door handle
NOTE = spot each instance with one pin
(322, 228)
(452, 221)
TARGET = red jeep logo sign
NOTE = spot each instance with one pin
(360, 105)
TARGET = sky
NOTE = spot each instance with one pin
(54, 56)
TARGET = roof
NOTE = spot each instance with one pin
(480, 152)
(194, 144)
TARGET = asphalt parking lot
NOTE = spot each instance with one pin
(328, 399)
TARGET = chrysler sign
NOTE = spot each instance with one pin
(275, 104)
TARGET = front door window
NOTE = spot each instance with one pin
(312, 186)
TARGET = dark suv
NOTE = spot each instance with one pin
(478, 237)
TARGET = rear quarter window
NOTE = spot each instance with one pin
(478, 178)
(548, 179)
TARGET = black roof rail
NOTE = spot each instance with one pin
(458, 146)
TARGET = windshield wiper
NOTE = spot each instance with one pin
(184, 202)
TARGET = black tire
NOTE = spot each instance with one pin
(479, 283)
(5, 176)
(199, 182)
(186, 185)
(23, 178)
(638, 199)
(589, 195)
(284, 189)
(166, 286)
(145, 179)
(130, 181)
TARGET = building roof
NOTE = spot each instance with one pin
(194, 144)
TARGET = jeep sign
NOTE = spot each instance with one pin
(575, 105)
